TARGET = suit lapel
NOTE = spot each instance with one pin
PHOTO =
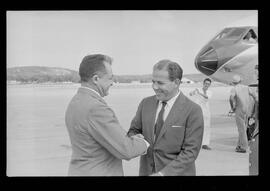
(151, 116)
(173, 114)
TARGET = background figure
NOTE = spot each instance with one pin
(241, 104)
(254, 142)
(171, 123)
(98, 141)
(201, 96)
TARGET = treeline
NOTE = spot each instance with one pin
(37, 74)
(44, 78)
(70, 78)
(132, 78)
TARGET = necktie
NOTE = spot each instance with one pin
(160, 120)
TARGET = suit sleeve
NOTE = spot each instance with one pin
(136, 123)
(191, 145)
(106, 130)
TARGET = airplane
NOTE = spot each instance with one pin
(232, 51)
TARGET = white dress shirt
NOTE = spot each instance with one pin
(167, 110)
(167, 107)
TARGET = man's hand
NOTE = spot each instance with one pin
(138, 136)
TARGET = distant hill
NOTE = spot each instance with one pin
(41, 74)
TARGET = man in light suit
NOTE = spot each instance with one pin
(98, 141)
(171, 123)
(241, 103)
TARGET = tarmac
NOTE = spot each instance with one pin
(38, 143)
(222, 160)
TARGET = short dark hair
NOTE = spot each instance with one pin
(174, 69)
(93, 64)
(207, 79)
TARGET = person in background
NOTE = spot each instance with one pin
(201, 96)
(240, 102)
(171, 123)
(98, 141)
(254, 142)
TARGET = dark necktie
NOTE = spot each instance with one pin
(160, 121)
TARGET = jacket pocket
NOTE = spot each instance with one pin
(177, 126)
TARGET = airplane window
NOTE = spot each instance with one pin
(223, 33)
(235, 33)
(231, 33)
(250, 37)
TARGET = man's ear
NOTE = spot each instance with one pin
(95, 78)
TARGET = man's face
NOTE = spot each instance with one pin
(163, 87)
(206, 84)
(106, 81)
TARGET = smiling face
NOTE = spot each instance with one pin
(164, 88)
(105, 81)
(206, 84)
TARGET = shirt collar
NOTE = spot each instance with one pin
(84, 87)
(171, 101)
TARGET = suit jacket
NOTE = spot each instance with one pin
(174, 151)
(98, 141)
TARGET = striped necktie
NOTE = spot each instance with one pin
(160, 120)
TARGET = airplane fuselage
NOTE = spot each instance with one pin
(229, 53)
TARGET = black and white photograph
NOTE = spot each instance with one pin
(132, 93)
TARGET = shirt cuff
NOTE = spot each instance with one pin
(147, 145)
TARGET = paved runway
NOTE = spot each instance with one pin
(38, 142)
(221, 160)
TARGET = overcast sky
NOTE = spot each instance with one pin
(136, 40)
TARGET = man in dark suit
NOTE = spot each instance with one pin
(98, 141)
(171, 123)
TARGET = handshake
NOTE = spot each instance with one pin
(140, 136)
